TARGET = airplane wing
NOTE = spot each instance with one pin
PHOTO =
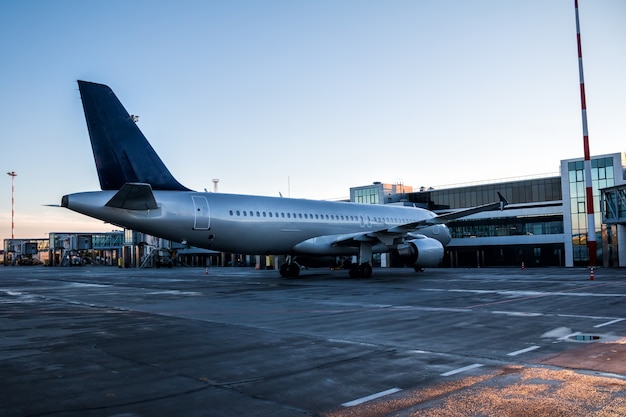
(388, 237)
(444, 218)
(395, 234)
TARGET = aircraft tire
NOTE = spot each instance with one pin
(353, 273)
(289, 270)
(365, 270)
(294, 269)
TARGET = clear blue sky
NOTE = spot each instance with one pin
(307, 98)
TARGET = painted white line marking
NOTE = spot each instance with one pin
(609, 323)
(517, 313)
(417, 308)
(351, 342)
(577, 316)
(463, 369)
(371, 397)
(539, 293)
(519, 352)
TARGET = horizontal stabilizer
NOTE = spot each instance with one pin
(134, 196)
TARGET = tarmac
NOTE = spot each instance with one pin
(104, 341)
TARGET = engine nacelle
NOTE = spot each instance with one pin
(422, 252)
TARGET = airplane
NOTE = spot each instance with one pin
(139, 193)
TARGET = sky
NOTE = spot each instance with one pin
(305, 98)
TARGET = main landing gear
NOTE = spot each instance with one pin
(363, 270)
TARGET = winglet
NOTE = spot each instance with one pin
(503, 201)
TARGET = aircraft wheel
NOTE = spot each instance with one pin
(294, 269)
(353, 273)
(289, 270)
(365, 270)
(284, 270)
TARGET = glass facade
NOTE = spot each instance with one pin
(602, 176)
(369, 195)
(525, 191)
(516, 226)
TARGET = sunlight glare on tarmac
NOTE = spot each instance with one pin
(513, 391)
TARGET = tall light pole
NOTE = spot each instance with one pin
(13, 174)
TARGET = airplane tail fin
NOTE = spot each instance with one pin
(122, 153)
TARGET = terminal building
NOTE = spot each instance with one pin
(544, 224)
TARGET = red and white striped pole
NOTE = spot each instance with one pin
(591, 227)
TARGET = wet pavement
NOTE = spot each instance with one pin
(103, 341)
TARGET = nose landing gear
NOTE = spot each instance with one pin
(289, 269)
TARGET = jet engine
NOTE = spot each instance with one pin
(421, 252)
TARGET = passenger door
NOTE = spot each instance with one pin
(202, 220)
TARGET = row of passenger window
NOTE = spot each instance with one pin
(311, 216)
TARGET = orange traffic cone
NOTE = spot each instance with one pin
(591, 276)
(523, 266)
(206, 270)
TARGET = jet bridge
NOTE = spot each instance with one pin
(22, 251)
(69, 249)
(613, 206)
(75, 249)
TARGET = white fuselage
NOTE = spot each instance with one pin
(254, 224)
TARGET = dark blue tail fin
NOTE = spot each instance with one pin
(122, 153)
